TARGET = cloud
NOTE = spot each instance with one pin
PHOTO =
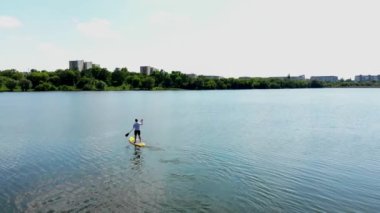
(8, 22)
(49, 47)
(97, 28)
(52, 55)
(166, 19)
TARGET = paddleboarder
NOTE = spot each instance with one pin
(136, 127)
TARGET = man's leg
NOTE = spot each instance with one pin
(135, 136)
(140, 135)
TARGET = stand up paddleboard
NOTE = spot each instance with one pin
(132, 141)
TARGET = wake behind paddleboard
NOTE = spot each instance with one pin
(132, 141)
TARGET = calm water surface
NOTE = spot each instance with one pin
(208, 151)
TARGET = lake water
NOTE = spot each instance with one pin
(208, 151)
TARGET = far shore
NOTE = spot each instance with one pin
(176, 89)
(100, 79)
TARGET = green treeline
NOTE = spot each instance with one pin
(121, 79)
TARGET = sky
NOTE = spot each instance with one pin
(229, 38)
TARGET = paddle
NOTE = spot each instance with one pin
(126, 135)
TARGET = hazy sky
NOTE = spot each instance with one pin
(216, 37)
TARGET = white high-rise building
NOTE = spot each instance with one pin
(87, 65)
(80, 65)
(147, 70)
(76, 65)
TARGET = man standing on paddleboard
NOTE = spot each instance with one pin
(136, 127)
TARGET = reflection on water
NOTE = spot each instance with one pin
(137, 160)
(218, 151)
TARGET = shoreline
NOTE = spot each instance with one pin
(179, 89)
(100, 79)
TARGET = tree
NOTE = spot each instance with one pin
(167, 82)
(11, 84)
(136, 82)
(2, 81)
(274, 85)
(88, 87)
(86, 73)
(199, 83)
(100, 85)
(68, 77)
(55, 80)
(210, 84)
(126, 87)
(66, 88)
(46, 86)
(262, 84)
(101, 74)
(148, 83)
(14, 74)
(118, 77)
(38, 77)
(177, 79)
(159, 77)
(221, 84)
(25, 84)
(86, 83)
(316, 84)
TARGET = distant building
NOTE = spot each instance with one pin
(212, 76)
(192, 75)
(76, 65)
(300, 77)
(245, 78)
(361, 78)
(147, 70)
(324, 78)
(87, 65)
(80, 65)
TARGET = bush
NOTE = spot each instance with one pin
(25, 84)
(100, 85)
(45, 87)
(55, 80)
(85, 83)
(118, 77)
(148, 83)
(68, 77)
(37, 78)
(126, 87)
(261, 84)
(136, 82)
(316, 84)
(2, 81)
(11, 84)
(274, 85)
(88, 87)
(14, 74)
(66, 88)
(210, 84)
